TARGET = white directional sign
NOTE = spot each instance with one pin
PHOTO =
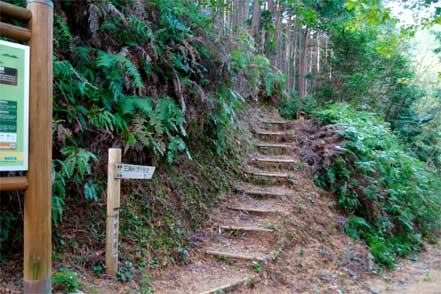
(130, 171)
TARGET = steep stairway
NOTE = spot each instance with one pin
(245, 231)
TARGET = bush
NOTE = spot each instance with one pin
(394, 201)
(66, 280)
(289, 105)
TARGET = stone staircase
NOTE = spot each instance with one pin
(246, 228)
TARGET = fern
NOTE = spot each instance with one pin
(141, 30)
(400, 198)
(132, 103)
(74, 168)
(114, 64)
(62, 34)
(77, 161)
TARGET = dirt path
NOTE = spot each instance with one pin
(413, 277)
(278, 234)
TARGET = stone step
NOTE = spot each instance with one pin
(225, 246)
(202, 276)
(253, 209)
(274, 124)
(272, 133)
(263, 193)
(274, 121)
(279, 147)
(231, 286)
(242, 220)
(257, 191)
(236, 255)
(259, 176)
(267, 174)
(274, 136)
(275, 160)
(245, 228)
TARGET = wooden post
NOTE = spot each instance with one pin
(38, 196)
(112, 217)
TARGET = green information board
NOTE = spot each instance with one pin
(14, 106)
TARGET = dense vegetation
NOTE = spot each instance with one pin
(388, 176)
(392, 199)
(165, 79)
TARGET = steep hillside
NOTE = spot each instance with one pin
(275, 232)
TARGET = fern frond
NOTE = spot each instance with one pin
(132, 103)
(108, 61)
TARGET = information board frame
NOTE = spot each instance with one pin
(21, 163)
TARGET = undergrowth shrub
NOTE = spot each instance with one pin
(393, 200)
(289, 104)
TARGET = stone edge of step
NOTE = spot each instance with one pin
(232, 285)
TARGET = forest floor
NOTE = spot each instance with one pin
(278, 233)
(422, 276)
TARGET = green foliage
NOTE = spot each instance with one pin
(224, 117)
(125, 271)
(288, 105)
(62, 34)
(255, 68)
(113, 67)
(257, 267)
(6, 227)
(371, 69)
(73, 169)
(158, 126)
(393, 199)
(66, 280)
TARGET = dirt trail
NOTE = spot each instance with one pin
(413, 277)
(278, 234)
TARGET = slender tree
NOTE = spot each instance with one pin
(302, 68)
(255, 23)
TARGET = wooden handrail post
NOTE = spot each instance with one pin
(37, 210)
(112, 215)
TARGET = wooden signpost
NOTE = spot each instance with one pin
(37, 183)
(115, 172)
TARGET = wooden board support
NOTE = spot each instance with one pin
(14, 12)
(14, 32)
(112, 216)
(38, 196)
(13, 183)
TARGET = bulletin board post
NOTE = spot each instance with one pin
(36, 156)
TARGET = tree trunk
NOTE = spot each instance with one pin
(318, 60)
(309, 82)
(302, 70)
(287, 63)
(267, 44)
(234, 16)
(255, 23)
(245, 11)
(295, 55)
(279, 37)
